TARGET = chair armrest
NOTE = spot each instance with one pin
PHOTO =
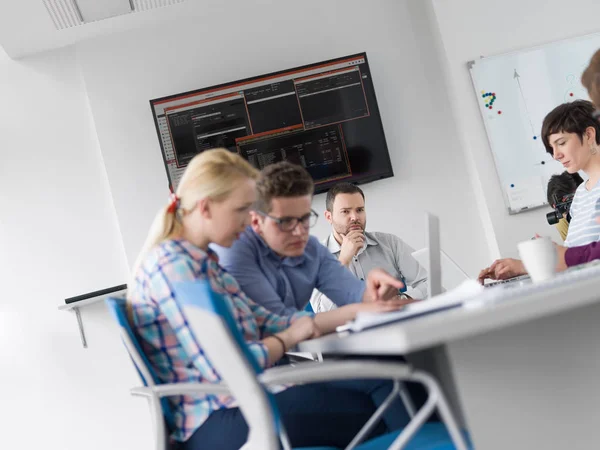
(336, 370)
(168, 390)
(301, 355)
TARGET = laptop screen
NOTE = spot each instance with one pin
(434, 269)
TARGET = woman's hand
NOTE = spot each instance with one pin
(384, 306)
(328, 321)
(503, 269)
(300, 330)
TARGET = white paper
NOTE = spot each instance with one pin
(467, 290)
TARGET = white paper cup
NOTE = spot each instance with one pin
(539, 258)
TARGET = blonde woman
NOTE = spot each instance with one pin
(212, 205)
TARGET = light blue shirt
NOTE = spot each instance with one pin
(284, 285)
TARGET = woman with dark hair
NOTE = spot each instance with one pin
(571, 134)
(573, 256)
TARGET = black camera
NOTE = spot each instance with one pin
(561, 208)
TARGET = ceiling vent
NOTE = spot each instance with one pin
(72, 13)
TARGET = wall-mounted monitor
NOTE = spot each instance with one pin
(323, 116)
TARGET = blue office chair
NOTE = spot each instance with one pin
(215, 328)
(156, 393)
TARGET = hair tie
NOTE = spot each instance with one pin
(173, 204)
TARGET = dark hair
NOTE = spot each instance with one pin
(341, 188)
(282, 179)
(564, 184)
(574, 117)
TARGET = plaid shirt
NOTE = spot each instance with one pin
(166, 337)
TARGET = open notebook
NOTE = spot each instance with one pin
(468, 290)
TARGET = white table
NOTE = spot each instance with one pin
(522, 372)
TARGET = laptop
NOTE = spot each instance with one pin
(518, 281)
(434, 264)
(443, 272)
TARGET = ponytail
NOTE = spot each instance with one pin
(166, 225)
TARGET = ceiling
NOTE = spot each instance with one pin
(30, 26)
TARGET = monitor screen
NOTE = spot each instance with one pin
(323, 116)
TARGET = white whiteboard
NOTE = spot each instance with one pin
(515, 92)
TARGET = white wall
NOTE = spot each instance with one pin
(123, 72)
(81, 180)
(59, 237)
(474, 28)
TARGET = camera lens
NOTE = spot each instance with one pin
(553, 217)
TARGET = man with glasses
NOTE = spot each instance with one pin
(278, 264)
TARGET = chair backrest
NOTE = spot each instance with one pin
(118, 309)
(215, 329)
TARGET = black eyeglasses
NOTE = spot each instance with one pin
(290, 223)
(596, 115)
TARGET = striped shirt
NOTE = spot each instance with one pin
(583, 227)
(166, 337)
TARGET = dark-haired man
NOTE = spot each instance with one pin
(560, 186)
(362, 251)
(278, 264)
